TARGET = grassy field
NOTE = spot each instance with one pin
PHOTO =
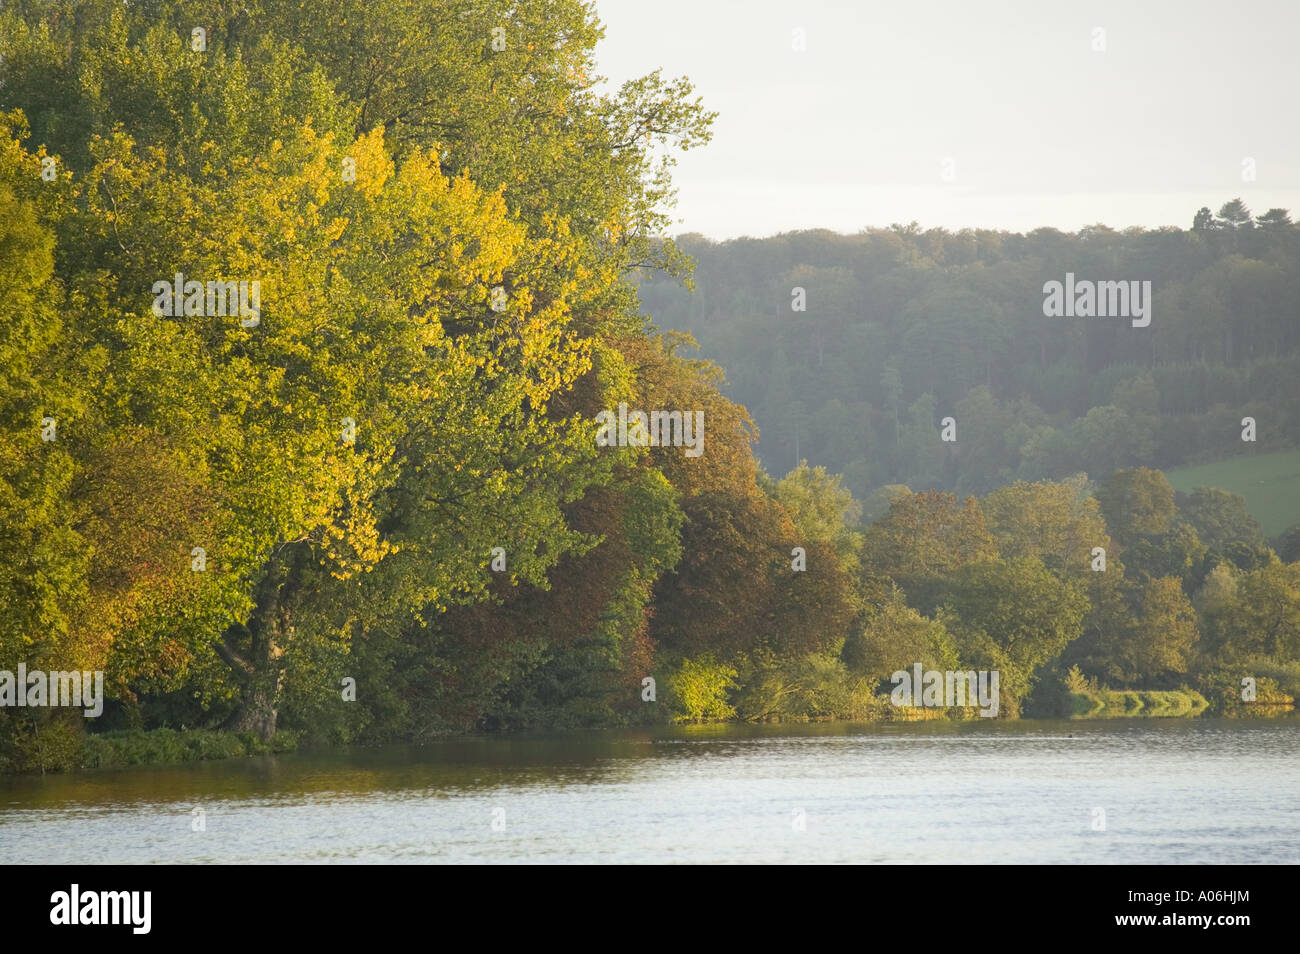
(1269, 482)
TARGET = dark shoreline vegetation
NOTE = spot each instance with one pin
(379, 513)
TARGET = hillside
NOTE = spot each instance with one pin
(1269, 482)
(850, 350)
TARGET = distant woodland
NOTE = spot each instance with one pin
(903, 327)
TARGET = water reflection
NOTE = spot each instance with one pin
(982, 791)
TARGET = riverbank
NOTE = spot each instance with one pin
(60, 748)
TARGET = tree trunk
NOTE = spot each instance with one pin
(256, 652)
(258, 711)
(259, 707)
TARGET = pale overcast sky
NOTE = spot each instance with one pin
(1040, 129)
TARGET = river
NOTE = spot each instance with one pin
(1148, 791)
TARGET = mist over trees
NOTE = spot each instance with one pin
(901, 327)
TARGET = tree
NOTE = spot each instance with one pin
(699, 689)
(1261, 616)
(1057, 523)
(1107, 438)
(1154, 642)
(442, 235)
(1135, 502)
(1288, 544)
(986, 426)
(1013, 616)
(1235, 215)
(44, 560)
(897, 638)
(1277, 219)
(819, 506)
(927, 533)
(876, 504)
(1220, 518)
(1178, 553)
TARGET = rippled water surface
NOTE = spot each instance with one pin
(1171, 792)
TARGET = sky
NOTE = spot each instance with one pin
(973, 113)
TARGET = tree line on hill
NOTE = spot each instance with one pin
(849, 350)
